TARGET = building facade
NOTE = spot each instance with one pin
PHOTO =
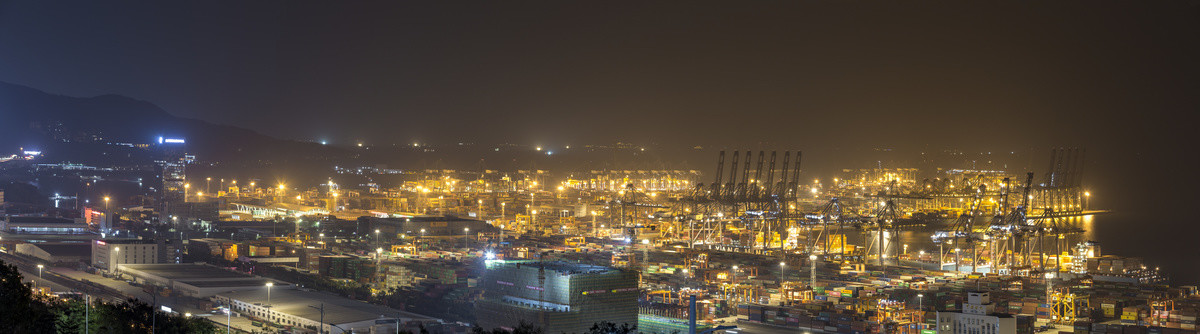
(979, 317)
(559, 297)
(111, 254)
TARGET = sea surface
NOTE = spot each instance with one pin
(1175, 250)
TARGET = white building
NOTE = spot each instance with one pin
(57, 252)
(289, 306)
(111, 254)
(197, 280)
(978, 317)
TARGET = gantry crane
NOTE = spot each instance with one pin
(961, 231)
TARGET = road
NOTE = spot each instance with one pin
(61, 279)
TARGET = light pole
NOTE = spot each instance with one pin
(782, 267)
(208, 184)
(116, 266)
(379, 263)
(921, 310)
(1087, 200)
(106, 216)
(377, 237)
(40, 270)
(734, 273)
(502, 205)
(812, 275)
(186, 188)
(269, 285)
(228, 319)
(466, 233)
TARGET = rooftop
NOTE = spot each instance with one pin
(338, 310)
(38, 220)
(76, 249)
(562, 267)
(230, 283)
(184, 271)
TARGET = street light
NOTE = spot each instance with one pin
(269, 285)
(40, 270)
(228, 319)
(782, 267)
(114, 260)
(812, 275)
(466, 232)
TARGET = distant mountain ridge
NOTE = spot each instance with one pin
(33, 118)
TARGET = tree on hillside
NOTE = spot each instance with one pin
(605, 327)
(20, 310)
(522, 328)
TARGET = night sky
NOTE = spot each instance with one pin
(1120, 78)
(983, 75)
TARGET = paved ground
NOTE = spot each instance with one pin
(114, 290)
(236, 322)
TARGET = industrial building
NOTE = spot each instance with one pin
(979, 316)
(559, 297)
(303, 309)
(113, 254)
(277, 210)
(58, 252)
(197, 280)
(43, 225)
(427, 226)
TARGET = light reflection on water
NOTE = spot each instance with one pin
(1121, 234)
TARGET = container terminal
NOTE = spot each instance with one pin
(750, 248)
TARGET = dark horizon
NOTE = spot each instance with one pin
(987, 77)
(546, 166)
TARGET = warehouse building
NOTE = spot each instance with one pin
(559, 297)
(57, 253)
(43, 225)
(301, 308)
(979, 316)
(114, 254)
(197, 280)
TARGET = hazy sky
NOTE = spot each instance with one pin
(1119, 78)
(989, 75)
